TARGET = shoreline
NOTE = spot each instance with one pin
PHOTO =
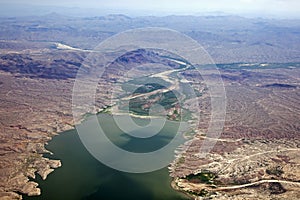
(175, 187)
(54, 164)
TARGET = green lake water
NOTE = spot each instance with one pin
(83, 177)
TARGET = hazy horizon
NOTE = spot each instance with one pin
(250, 8)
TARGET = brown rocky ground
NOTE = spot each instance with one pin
(261, 131)
(35, 105)
(260, 140)
(32, 111)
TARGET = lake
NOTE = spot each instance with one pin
(84, 177)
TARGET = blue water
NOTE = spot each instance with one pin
(83, 177)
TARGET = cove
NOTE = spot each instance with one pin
(83, 177)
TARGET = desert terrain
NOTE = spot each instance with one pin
(254, 158)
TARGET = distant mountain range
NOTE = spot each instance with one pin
(228, 39)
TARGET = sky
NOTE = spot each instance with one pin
(284, 8)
